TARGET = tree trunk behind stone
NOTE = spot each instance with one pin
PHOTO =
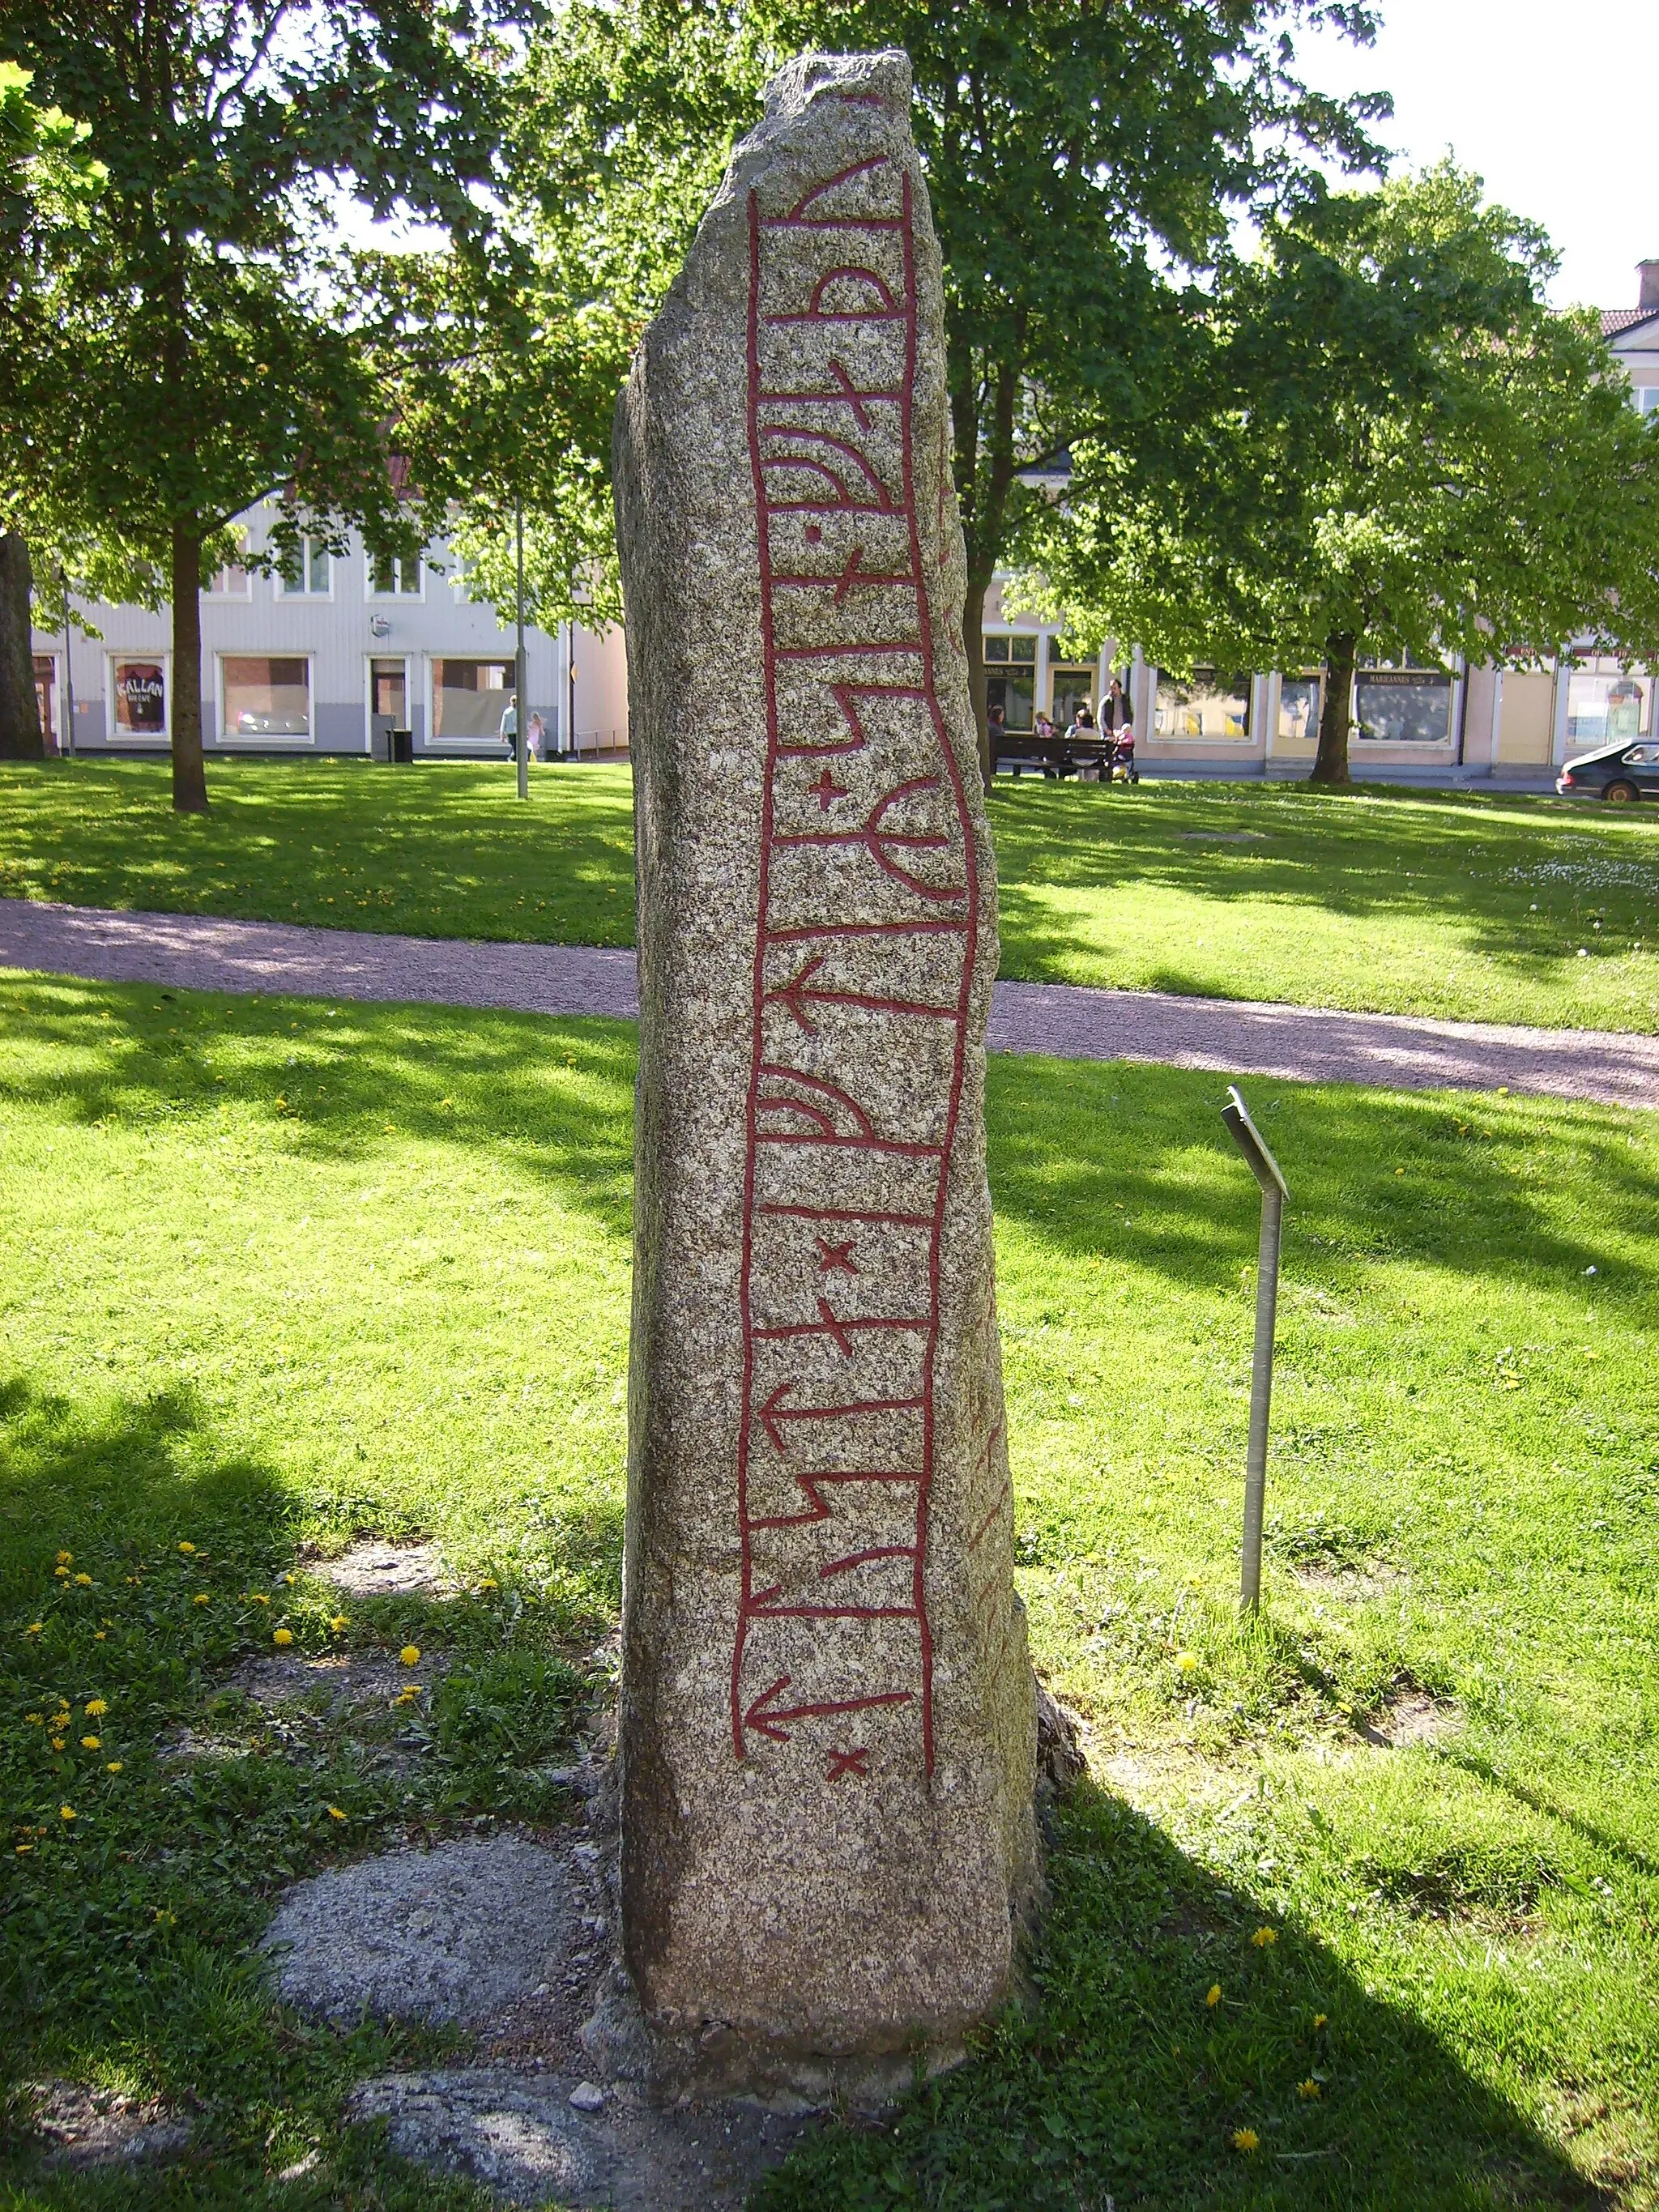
(827, 1730)
(189, 767)
(973, 638)
(1335, 711)
(21, 737)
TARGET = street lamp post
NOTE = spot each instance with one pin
(1265, 1167)
(520, 717)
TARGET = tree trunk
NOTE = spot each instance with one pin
(21, 735)
(973, 639)
(1335, 713)
(189, 770)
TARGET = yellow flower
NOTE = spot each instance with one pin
(1320, 2019)
(487, 1584)
(335, 1814)
(66, 1558)
(34, 1718)
(283, 1637)
(1308, 2088)
(99, 1636)
(92, 1743)
(93, 1707)
(83, 1582)
(202, 1598)
(62, 1573)
(1188, 1662)
(1212, 1995)
(410, 1654)
(57, 1743)
(66, 1812)
(1246, 2139)
(114, 1767)
(186, 1549)
(338, 1623)
(20, 1848)
(258, 1598)
(33, 1628)
(1264, 1937)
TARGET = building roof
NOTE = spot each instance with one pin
(1615, 321)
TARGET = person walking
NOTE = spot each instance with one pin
(510, 721)
(538, 738)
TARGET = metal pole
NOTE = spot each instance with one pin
(1265, 1167)
(69, 673)
(520, 716)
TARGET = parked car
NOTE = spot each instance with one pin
(1620, 774)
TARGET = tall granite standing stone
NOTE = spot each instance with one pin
(827, 1726)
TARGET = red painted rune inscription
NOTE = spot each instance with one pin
(863, 970)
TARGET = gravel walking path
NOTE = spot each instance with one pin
(1231, 1036)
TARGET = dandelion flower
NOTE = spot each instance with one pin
(1264, 1938)
(202, 1598)
(33, 1628)
(100, 1635)
(66, 1558)
(488, 1584)
(1212, 1995)
(83, 1582)
(410, 1654)
(186, 1549)
(62, 1573)
(258, 1598)
(57, 1743)
(1308, 2088)
(34, 1719)
(92, 1743)
(20, 1848)
(335, 1814)
(1246, 2139)
(114, 1767)
(66, 1812)
(1320, 2019)
(283, 1637)
(338, 1623)
(1187, 1662)
(93, 1707)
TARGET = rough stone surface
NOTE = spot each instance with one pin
(533, 2136)
(827, 1728)
(456, 1934)
(373, 1567)
(87, 2129)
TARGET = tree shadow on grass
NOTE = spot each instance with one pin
(1132, 1161)
(1509, 874)
(336, 1080)
(1118, 2082)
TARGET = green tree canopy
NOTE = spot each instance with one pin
(194, 353)
(1377, 440)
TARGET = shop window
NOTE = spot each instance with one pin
(1408, 705)
(307, 571)
(138, 698)
(1011, 678)
(1605, 703)
(468, 698)
(1299, 709)
(265, 697)
(392, 577)
(1213, 708)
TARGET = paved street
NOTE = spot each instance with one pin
(1232, 1037)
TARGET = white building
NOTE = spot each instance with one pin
(328, 659)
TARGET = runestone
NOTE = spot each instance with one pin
(827, 1727)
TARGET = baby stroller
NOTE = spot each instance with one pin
(1121, 761)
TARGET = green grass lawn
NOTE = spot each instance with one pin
(1472, 906)
(275, 1273)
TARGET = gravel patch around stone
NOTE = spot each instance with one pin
(1410, 1715)
(460, 1933)
(349, 1678)
(1235, 1038)
(91, 2129)
(543, 2138)
(374, 1568)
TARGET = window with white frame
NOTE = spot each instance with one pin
(392, 577)
(264, 695)
(1644, 398)
(138, 695)
(306, 572)
(230, 582)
